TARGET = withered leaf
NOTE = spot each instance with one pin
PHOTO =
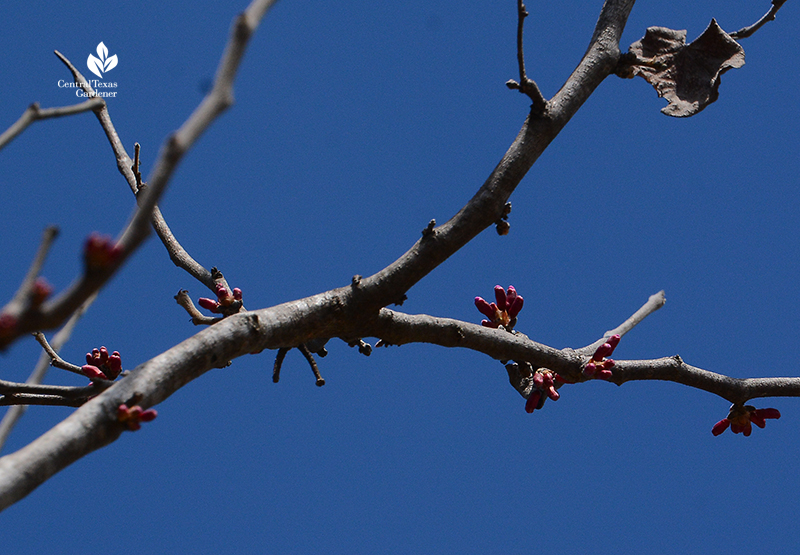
(686, 75)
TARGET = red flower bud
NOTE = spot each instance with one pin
(602, 351)
(533, 401)
(590, 369)
(7, 325)
(511, 296)
(92, 372)
(209, 304)
(500, 296)
(100, 252)
(40, 291)
(237, 294)
(485, 308)
(720, 426)
(148, 415)
(768, 413)
(515, 306)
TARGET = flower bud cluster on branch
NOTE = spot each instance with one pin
(226, 303)
(99, 364)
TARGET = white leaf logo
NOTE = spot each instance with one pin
(104, 63)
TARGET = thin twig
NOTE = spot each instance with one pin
(198, 318)
(21, 299)
(653, 303)
(313, 363)
(526, 86)
(745, 32)
(35, 113)
(56, 360)
(276, 368)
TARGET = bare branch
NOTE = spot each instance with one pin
(526, 86)
(35, 113)
(745, 32)
(653, 303)
(489, 203)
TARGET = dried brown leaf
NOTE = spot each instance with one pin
(686, 75)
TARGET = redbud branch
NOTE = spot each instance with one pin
(14, 413)
(489, 202)
(767, 17)
(219, 99)
(34, 113)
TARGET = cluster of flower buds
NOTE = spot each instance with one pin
(100, 252)
(600, 366)
(740, 418)
(99, 364)
(504, 311)
(134, 416)
(224, 299)
(544, 383)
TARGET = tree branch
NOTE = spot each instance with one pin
(35, 113)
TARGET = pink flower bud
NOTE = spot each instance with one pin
(7, 325)
(148, 415)
(613, 341)
(604, 374)
(533, 401)
(590, 369)
(92, 372)
(500, 296)
(122, 412)
(552, 393)
(485, 308)
(515, 306)
(768, 413)
(720, 426)
(237, 294)
(608, 364)
(221, 291)
(114, 365)
(40, 291)
(208, 304)
(100, 252)
(538, 380)
(602, 351)
(510, 296)
(103, 355)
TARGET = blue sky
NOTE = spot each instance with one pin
(354, 126)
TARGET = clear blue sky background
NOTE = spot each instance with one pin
(355, 124)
